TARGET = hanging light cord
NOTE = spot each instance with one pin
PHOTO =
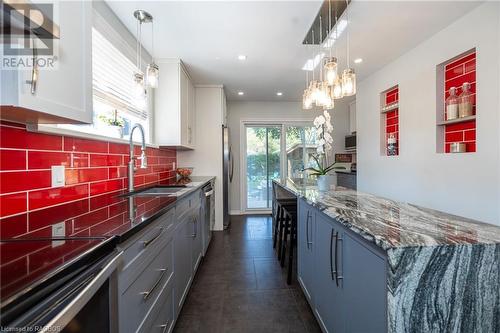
(330, 23)
(152, 41)
(140, 45)
(319, 46)
(312, 59)
(348, 32)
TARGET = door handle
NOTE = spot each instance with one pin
(149, 242)
(209, 193)
(34, 71)
(164, 327)
(195, 232)
(231, 160)
(307, 230)
(332, 271)
(148, 293)
(337, 275)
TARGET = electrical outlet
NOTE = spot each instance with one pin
(59, 229)
(173, 165)
(58, 178)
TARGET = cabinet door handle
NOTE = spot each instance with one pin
(307, 230)
(337, 275)
(333, 272)
(34, 71)
(150, 241)
(164, 327)
(195, 222)
(146, 294)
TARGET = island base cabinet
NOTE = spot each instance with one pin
(329, 299)
(364, 283)
(305, 254)
(346, 275)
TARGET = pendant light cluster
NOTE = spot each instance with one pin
(331, 84)
(152, 70)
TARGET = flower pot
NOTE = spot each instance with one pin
(326, 182)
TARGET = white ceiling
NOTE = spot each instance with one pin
(209, 35)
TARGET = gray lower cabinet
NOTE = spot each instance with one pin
(347, 180)
(329, 305)
(158, 267)
(305, 247)
(183, 260)
(347, 277)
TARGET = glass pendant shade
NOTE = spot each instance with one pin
(337, 88)
(306, 100)
(152, 75)
(140, 90)
(348, 82)
(330, 70)
(315, 93)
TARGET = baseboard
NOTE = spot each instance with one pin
(251, 212)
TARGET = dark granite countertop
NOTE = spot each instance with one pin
(141, 211)
(26, 261)
(392, 224)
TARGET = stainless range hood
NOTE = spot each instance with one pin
(24, 16)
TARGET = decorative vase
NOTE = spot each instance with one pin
(325, 182)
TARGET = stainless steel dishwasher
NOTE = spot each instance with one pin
(208, 197)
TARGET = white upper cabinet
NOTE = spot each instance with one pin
(174, 106)
(62, 94)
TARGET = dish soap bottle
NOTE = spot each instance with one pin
(392, 149)
(452, 104)
(465, 101)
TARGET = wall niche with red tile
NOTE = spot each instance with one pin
(389, 124)
(456, 121)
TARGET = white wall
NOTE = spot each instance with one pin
(207, 157)
(463, 184)
(275, 112)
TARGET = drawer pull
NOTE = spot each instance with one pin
(146, 294)
(149, 242)
(164, 327)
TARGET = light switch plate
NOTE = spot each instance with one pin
(58, 178)
(59, 229)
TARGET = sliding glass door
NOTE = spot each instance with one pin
(300, 142)
(263, 164)
(274, 151)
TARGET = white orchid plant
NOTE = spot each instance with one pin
(324, 141)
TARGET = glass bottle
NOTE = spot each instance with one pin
(392, 148)
(465, 101)
(452, 104)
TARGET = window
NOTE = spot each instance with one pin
(114, 103)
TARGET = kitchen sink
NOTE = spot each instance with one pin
(160, 191)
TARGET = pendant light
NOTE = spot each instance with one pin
(348, 76)
(330, 68)
(336, 90)
(152, 70)
(306, 97)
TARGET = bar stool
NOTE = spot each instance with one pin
(289, 229)
(279, 218)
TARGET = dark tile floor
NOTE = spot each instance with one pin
(240, 286)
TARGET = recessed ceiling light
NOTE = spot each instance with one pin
(241, 93)
(279, 93)
(358, 61)
(242, 57)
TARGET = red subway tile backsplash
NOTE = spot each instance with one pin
(12, 160)
(95, 172)
(11, 204)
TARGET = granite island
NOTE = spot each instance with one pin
(394, 266)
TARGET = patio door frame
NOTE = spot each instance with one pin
(243, 155)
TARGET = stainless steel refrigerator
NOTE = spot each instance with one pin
(227, 174)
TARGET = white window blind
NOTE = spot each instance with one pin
(113, 77)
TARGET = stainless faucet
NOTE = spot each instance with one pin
(131, 163)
